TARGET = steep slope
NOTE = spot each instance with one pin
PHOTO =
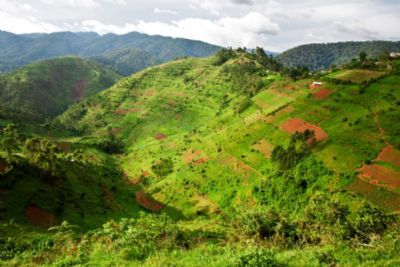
(220, 122)
(322, 56)
(235, 165)
(19, 50)
(46, 89)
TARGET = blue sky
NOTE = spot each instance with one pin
(275, 25)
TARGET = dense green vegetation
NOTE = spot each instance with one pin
(322, 56)
(126, 53)
(45, 89)
(205, 145)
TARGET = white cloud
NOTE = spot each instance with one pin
(14, 24)
(82, 3)
(249, 30)
(166, 11)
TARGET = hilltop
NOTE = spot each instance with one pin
(46, 89)
(323, 56)
(231, 162)
(125, 53)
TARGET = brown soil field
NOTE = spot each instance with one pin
(387, 199)
(237, 165)
(264, 147)
(78, 92)
(39, 217)
(160, 136)
(380, 176)
(194, 157)
(147, 203)
(390, 155)
(322, 94)
(298, 125)
(126, 111)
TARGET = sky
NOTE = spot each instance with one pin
(274, 25)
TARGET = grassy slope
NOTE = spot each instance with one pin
(216, 166)
(46, 89)
(189, 101)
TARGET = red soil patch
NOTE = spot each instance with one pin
(39, 217)
(200, 161)
(389, 154)
(380, 176)
(148, 203)
(298, 125)
(150, 92)
(79, 89)
(2, 190)
(322, 94)
(160, 136)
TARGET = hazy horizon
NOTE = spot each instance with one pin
(272, 25)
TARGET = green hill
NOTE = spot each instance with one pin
(111, 49)
(46, 89)
(232, 164)
(322, 56)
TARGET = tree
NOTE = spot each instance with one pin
(42, 154)
(363, 56)
(224, 55)
(11, 138)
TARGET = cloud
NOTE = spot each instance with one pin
(82, 3)
(166, 11)
(249, 30)
(14, 24)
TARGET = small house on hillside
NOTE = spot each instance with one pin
(316, 84)
(395, 55)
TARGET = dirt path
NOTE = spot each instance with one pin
(378, 125)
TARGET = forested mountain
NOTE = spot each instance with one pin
(322, 56)
(46, 89)
(144, 50)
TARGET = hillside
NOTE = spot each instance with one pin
(322, 56)
(46, 89)
(231, 163)
(111, 49)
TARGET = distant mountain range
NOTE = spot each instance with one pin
(45, 89)
(322, 56)
(126, 53)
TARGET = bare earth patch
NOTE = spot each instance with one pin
(264, 147)
(298, 125)
(194, 157)
(387, 199)
(64, 146)
(380, 176)
(322, 94)
(390, 155)
(39, 217)
(144, 201)
(160, 136)
(110, 201)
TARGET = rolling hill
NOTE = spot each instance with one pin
(19, 50)
(230, 163)
(45, 89)
(322, 56)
